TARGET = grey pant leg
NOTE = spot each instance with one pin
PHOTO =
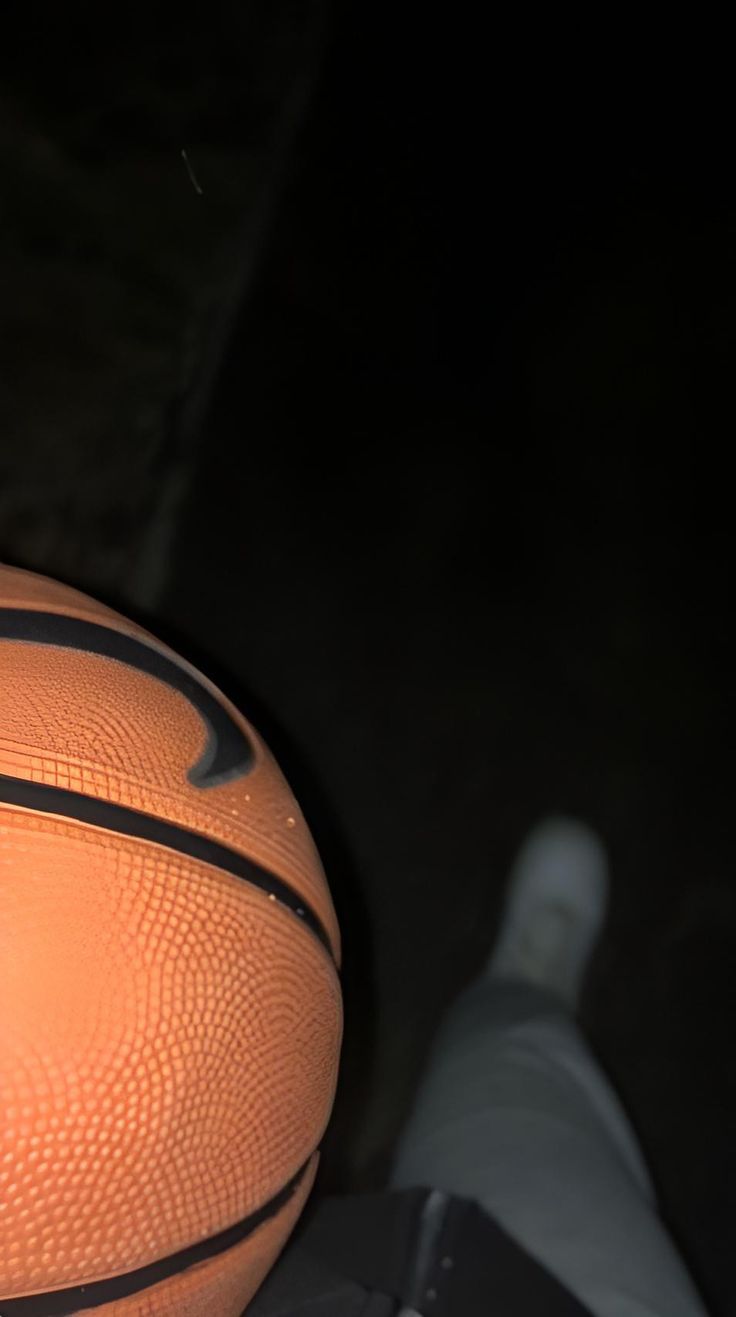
(514, 1112)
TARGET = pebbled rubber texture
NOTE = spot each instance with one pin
(169, 1032)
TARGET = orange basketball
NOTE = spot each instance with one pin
(170, 1010)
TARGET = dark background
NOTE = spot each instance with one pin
(413, 431)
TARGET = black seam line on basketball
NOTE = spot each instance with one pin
(228, 753)
(45, 799)
(64, 1303)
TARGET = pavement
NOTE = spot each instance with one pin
(428, 484)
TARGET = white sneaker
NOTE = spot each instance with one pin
(555, 908)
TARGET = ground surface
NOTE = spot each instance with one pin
(415, 455)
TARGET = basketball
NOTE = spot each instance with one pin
(170, 1006)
